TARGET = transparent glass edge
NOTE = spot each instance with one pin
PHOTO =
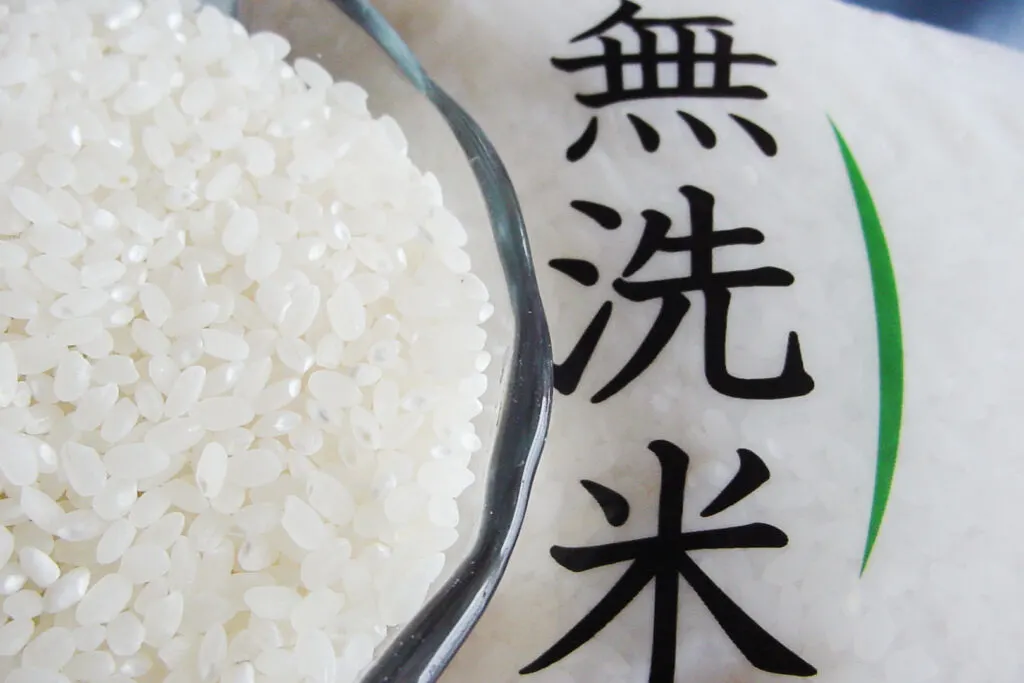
(424, 647)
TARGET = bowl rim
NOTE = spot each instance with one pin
(423, 648)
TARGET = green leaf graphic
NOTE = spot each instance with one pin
(890, 344)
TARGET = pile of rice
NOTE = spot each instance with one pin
(240, 354)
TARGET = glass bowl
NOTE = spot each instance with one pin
(354, 42)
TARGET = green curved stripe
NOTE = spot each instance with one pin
(890, 344)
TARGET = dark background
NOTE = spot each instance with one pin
(997, 20)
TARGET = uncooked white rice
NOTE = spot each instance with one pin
(240, 355)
